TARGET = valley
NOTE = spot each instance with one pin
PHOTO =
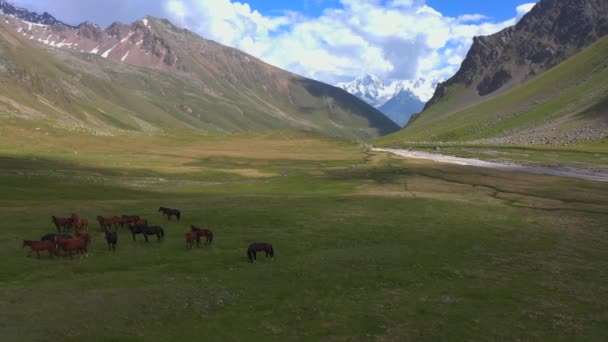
(484, 218)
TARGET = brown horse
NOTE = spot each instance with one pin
(105, 223)
(38, 246)
(208, 234)
(62, 222)
(81, 225)
(130, 219)
(78, 244)
(191, 237)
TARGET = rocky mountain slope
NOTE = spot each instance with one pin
(151, 75)
(543, 81)
(553, 31)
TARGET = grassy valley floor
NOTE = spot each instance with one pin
(368, 246)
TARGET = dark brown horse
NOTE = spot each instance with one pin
(259, 247)
(38, 246)
(78, 244)
(62, 222)
(208, 234)
(170, 212)
(191, 238)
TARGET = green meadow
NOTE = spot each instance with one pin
(368, 246)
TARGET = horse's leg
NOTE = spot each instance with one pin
(146, 237)
(38, 254)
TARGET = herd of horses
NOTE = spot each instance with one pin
(62, 243)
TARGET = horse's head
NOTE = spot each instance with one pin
(25, 243)
(161, 209)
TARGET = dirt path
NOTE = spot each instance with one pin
(555, 171)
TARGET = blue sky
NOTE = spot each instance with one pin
(328, 40)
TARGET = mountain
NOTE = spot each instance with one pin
(398, 100)
(151, 75)
(553, 31)
(543, 81)
(402, 106)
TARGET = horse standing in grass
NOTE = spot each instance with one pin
(148, 230)
(191, 238)
(259, 247)
(62, 222)
(111, 239)
(208, 234)
(106, 223)
(170, 212)
(38, 246)
(78, 244)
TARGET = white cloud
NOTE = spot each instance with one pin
(524, 9)
(394, 39)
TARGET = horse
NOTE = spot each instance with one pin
(78, 244)
(38, 246)
(130, 219)
(112, 239)
(65, 222)
(75, 219)
(105, 223)
(81, 225)
(202, 232)
(170, 212)
(148, 230)
(191, 237)
(259, 247)
(51, 237)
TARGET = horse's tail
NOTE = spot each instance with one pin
(162, 233)
(271, 251)
(250, 254)
(210, 237)
(178, 214)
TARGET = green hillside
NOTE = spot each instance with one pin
(218, 93)
(568, 101)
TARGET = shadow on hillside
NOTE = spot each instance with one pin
(351, 103)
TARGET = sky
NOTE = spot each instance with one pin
(328, 40)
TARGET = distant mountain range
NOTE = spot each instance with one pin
(398, 100)
(151, 75)
(542, 81)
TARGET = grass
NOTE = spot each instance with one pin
(369, 246)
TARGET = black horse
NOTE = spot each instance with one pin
(259, 247)
(148, 230)
(170, 212)
(112, 239)
(51, 237)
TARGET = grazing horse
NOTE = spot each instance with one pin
(75, 219)
(259, 247)
(112, 239)
(65, 222)
(202, 232)
(191, 237)
(170, 212)
(78, 244)
(148, 230)
(38, 246)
